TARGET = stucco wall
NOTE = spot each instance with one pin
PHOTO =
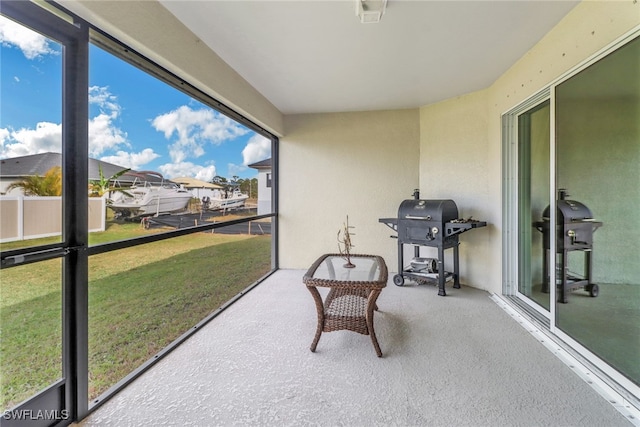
(453, 165)
(264, 192)
(469, 128)
(333, 165)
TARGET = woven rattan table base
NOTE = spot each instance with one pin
(350, 303)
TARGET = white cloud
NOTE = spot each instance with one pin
(44, 138)
(234, 170)
(104, 135)
(32, 44)
(107, 102)
(206, 173)
(195, 128)
(132, 160)
(258, 148)
(173, 170)
(179, 153)
(4, 135)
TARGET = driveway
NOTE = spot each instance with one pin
(191, 219)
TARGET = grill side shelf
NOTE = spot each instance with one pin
(453, 228)
(390, 222)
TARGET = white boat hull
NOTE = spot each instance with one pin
(147, 201)
(230, 203)
(234, 200)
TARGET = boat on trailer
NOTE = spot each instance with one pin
(233, 199)
(148, 197)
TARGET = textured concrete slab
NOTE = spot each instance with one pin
(458, 360)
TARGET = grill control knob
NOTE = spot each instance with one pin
(434, 230)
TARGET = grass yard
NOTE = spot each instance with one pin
(140, 299)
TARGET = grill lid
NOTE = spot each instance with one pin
(568, 210)
(428, 210)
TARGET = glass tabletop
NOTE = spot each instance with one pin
(332, 267)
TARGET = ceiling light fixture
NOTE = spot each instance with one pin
(370, 11)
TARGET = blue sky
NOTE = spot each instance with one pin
(136, 121)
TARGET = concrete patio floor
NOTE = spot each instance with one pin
(459, 360)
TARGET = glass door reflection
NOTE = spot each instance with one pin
(533, 199)
(597, 156)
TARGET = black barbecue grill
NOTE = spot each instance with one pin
(574, 232)
(432, 223)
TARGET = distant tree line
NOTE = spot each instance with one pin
(51, 184)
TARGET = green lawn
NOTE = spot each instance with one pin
(140, 299)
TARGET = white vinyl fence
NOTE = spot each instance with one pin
(32, 217)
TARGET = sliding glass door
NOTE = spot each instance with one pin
(533, 199)
(571, 210)
(598, 163)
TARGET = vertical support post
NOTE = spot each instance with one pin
(75, 169)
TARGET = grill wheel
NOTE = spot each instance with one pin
(398, 280)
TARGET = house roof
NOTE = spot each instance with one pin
(262, 164)
(39, 164)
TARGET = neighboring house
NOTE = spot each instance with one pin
(18, 168)
(198, 188)
(264, 185)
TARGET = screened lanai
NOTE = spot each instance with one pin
(498, 106)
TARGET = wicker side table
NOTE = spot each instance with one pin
(352, 296)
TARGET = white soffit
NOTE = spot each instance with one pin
(316, 56)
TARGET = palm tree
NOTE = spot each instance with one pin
(48, 185)
(100, 187)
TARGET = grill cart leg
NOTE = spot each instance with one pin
(562, 296)
(398, 280)
(545, 268)
(456, 268)
(592, 288)
(441, 272)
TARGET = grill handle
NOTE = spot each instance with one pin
(427, 218)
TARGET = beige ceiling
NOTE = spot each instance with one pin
(315, 56)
